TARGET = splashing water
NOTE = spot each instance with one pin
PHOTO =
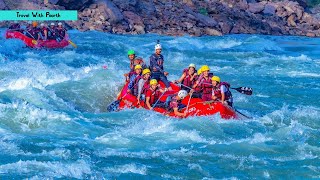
(54, 121)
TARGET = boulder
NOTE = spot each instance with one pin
(269, 9)
(139, 29)
(108, 7)
(53, 1)
(291, 21)
(311, 34)
(73, 4)
(256, 7)
(206, 20)
(225, 27)
(146, 7)
(188, 3)
(132, 17)
(212, 32)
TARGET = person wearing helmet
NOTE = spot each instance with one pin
(34, 31)
(221, 91)
(61, 32)
(135, 60)
(43, 32)
(15, 26)
(52, 31)
(203, 87)
(143, 85)
(188, 78)
(153, 94)
(174, 103)
(156, 66)
(136, 75)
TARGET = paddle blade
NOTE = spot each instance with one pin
(244, 90)
(73, 44)
(114, 106)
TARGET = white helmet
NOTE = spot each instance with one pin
(59, 24)
(52, 24)
(157, 46)
(182, 94)
(42, 24)
(29, 22)
(192, 65)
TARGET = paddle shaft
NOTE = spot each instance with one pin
(158, 99)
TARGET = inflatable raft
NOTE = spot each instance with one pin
(197, 107)
(32, 43)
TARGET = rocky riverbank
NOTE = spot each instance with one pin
(193, 17)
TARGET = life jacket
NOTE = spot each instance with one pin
(187, 80)
(131, 73)
(155, 94)
(51, 33)
(137, 61)
(144, 87)
(217, 91)
(34, 32)
(206, 85)
(61, 32)
(42, 32)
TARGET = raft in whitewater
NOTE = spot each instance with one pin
(32, 43)
(197, 106)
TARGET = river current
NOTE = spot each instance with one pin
(54, 124)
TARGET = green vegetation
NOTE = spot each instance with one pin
(205, 12)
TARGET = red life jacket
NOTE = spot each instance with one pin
(42, 31)
(187, 80)
(155, 94)
(135, 62)
(206, 85)
(131, 73)
(144, 87)
(217, 91)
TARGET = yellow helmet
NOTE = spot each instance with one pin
(137, 67)
(145, 71)
(205, 68)
(199, 71)
(153, 82)
(215, 78)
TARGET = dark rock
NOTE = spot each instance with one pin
(210, 22)
(73, 4)
(2, 5)
(225, 27)
(146, 7)
(269, 9)
(132, 17)
(53, 1)
(113, 12)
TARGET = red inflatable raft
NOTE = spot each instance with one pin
(50, 44)
(197, 107)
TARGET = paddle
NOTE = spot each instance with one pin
(158, 99)
(114, 106)
(244, 90)
(189, 102)
(70, 42)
